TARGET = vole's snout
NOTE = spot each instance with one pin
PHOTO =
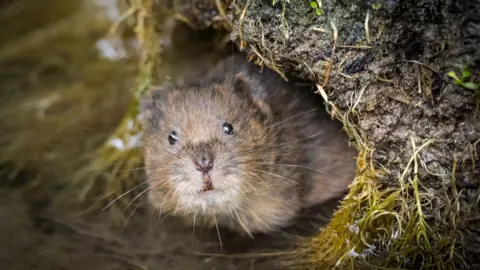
(203, 164)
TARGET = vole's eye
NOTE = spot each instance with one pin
(227, 128)
(173, 138)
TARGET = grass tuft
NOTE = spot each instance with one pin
(119, 158)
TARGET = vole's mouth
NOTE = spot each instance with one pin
(207, 183)
(207, 187)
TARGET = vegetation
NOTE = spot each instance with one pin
(465, 74)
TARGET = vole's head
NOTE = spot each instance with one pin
(201, 143)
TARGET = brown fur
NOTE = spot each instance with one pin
(264, 173)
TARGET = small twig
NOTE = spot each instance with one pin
(272, 66)
(423, 64)
(382, 27)
(122, 18)
(284, 23)
(384, 80)
(183, 19)
(340, 70)
(332, 55)
(400, 97)
(319, 29)
(360, 96)
(223, 14)
(419, 82)
(415, 153)
(355, 46)
(367, 31)
(264, 46)
(309, 69)
(242, 19)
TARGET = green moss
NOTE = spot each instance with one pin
(383, 228)
(377, 6)
(317, 6)
(463, 77)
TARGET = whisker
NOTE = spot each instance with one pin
(135, 169)
(153, 212)
(125, 193)
(194, 221)
(295, 166)
(218, 232)
(261, 180)
(281, 144)
(279, 176)
(239, 220)
(176, 208)
(290, 118)
(243, 194)
(189, 206)
(161, 205)
(130, 216)
(136, 197)
(103, 197)
(157, 146)
(164, 183)
(242, 184)
(259, 219)
(165, 217)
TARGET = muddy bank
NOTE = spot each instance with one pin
(383, 67)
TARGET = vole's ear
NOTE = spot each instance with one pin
(252, 90)
(150, 104)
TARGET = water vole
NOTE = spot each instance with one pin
(241, 149)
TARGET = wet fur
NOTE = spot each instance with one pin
(260, 190)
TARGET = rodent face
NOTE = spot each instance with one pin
(198, 146)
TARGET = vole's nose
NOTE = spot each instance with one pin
(204, 164)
